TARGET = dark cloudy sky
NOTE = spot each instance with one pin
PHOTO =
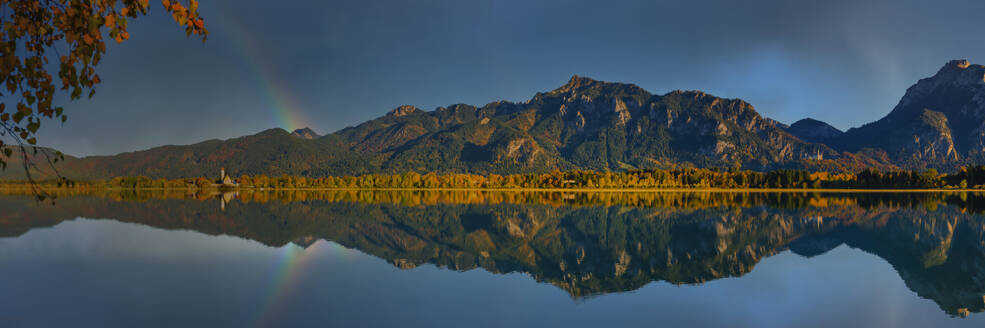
(330, 64)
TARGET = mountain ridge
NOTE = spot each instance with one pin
(594, 125)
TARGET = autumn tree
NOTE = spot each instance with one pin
(64, 38)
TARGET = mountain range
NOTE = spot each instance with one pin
(589, 124)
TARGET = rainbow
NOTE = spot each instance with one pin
(282, 104)
(287, 272)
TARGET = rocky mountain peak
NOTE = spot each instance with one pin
(403, 110)
(940, 118)
(962, 72)
(577, 83)
(305, 133)
(690, 94)
(958, 63)
(956, 79)
(586, 90)
(456, 108)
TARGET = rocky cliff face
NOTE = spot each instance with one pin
(584, 124)
(940, 121)
(680, 127)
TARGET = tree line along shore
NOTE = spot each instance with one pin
(967, 177)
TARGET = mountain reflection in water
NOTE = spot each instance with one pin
(584, 243)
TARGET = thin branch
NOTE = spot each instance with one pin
(27, 164)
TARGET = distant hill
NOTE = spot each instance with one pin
(597, 125)
(812, 130)
(305, 133)
(271, 152)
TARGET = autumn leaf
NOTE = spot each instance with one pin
(30, 32)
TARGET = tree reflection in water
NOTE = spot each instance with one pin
(584, 243)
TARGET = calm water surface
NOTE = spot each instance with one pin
(493, 259)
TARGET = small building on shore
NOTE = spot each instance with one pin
(225, 180)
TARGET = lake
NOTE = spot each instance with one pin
(493, 259)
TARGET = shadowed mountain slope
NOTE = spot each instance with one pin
(939, 122)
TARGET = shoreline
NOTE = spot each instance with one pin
(578, 190)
